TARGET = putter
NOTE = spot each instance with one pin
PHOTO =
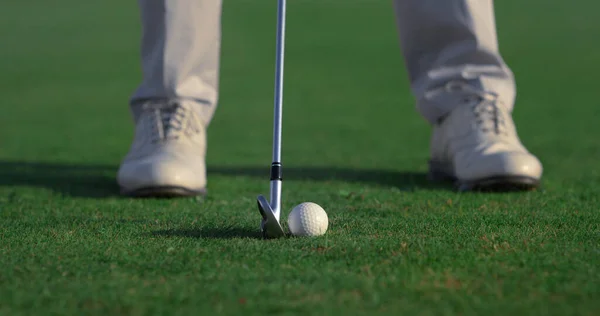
(271, 211)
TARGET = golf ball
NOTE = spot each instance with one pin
(308, 219)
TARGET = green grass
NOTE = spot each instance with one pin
(352, 142)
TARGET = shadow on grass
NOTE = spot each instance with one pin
(98, 181)
(390, 178)
(210, 233)
(78, 180)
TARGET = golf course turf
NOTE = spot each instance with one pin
(352, 142)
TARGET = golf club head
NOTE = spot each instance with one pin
(271, 228)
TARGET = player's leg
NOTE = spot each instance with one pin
(466, 91)
(176, 99)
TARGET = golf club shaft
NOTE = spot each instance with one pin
(275, 198)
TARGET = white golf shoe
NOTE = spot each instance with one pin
(167, 157)
(477, 145)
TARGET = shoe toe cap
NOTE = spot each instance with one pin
(148, 173)
(505, 164)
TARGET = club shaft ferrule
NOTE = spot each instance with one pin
(276, 171)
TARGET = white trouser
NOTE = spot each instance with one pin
(442, 40)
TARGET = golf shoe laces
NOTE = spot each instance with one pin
(489, 117)
(169, 120)
(487, 114)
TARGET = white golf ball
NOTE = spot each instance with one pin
(308, 219)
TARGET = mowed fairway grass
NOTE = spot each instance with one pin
(353, 143)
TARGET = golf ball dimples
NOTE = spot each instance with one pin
(308, 219)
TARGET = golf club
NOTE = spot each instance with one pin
(271, 211)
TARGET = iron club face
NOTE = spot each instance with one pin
(270, 226)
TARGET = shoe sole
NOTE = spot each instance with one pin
(499, 184)
(489, 184)
(162, 192)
